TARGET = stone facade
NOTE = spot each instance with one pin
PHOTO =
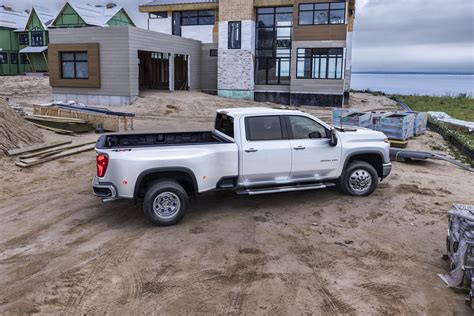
(235, 70)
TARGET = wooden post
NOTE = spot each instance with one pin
(31, 64)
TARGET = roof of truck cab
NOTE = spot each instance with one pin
(254, 110)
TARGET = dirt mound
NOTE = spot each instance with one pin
(14, 130)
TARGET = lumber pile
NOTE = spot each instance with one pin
(108, 120)
(39, 154)
(61, 124)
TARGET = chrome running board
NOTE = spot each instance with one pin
(298, 187)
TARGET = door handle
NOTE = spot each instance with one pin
(299, 148)
(251, 150)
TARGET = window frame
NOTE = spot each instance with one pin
(33, 42)
(213, 52)
(283, 128)
(4, 60)
(311, 58)
(313, 10)
(157, 15)
(291, 135)
(24, 35)
(74, 61)
(275, 48)
(239, 35)
(14, 58)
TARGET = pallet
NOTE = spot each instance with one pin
(398, 143)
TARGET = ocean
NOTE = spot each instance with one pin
(420, 84)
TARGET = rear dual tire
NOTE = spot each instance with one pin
(165, 203)
(359, 179)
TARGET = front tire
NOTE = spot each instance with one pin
(359, 179)
(165, 203)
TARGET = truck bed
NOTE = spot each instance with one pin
(159, 139)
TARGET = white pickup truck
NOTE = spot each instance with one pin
(250, 151)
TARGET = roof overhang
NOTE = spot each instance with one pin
(179, 7)
(33, 49)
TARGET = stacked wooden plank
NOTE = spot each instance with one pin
(99, 118)
(67, 124)
(39, 154)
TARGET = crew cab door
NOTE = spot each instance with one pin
(266, 153)
(313, 157)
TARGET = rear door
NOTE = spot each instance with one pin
(266, 156)
(313, 158)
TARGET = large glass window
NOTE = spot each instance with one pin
(235, 35)
(322, 13)
(263, 128)
(319, 63)
(302, 127)
(273, 45)
(37, 39)
(201, 17)
(23, 39)
(74, 65)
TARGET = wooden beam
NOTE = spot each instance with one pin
(24, 164)
(52, 151)
(272, 3)
(28, 149)
(179, 7)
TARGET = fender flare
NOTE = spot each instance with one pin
(146, 172)
(362, 152)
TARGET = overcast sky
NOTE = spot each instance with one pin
(390, 35)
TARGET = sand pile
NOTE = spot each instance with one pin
(14, 130)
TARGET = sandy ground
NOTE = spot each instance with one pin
(315, 252)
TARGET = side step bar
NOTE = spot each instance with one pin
(299, 187)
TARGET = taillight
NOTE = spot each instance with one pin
(102, 162)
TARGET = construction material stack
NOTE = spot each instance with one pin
(361, 119)
(460, 247)
(398, 126)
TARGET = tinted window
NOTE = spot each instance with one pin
(302, 128)
(263, 128)
(225, 124)
(235, 35)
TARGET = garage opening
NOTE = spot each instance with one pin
(181, 72)
(153, 70)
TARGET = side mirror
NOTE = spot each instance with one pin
(315, 134)
(333, 137)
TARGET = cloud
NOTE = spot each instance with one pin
(405, 35)
(409, 35)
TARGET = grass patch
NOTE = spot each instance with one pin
(460, 107)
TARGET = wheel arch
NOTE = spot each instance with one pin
(372, 157)
(184, 176)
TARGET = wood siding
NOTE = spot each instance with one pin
(54, 56)
(317, 32)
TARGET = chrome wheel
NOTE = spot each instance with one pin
(360, 181)
(166, 205)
